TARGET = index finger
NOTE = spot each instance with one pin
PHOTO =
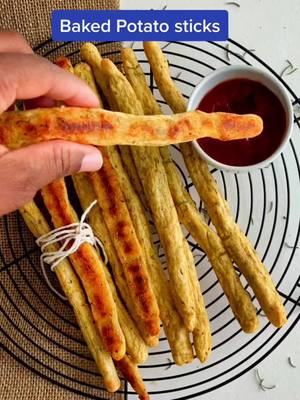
(24, 76)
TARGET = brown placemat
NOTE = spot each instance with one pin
(32, 18)
(51, 360)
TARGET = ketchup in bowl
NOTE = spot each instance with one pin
(245, 96)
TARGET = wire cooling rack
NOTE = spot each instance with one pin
(38, 328)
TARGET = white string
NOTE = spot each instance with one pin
(72, 237)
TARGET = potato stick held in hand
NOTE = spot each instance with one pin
(122, 232)
(189, 215)
(236, 243)
(69, 282)
(104, 128)
(90, 269)
(176, 332)
(152, 175)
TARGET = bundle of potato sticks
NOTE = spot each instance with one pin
(119, 306)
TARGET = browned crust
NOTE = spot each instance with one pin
(103, 128)
(73, 290)
(175, 330)
(64, 63)
(119, 223)
(88, 267)
(130, 372)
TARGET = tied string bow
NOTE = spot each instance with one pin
(70, 237)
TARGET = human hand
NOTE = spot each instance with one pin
(24, 75)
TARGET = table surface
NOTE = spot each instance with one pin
(272, 28)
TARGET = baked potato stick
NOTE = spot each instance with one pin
(90, 54)
(64, 63)
(160, 68)
(90, 270)
(202, 332)
(100, 226)
(137, 79)
(130, 372)
(86, 193)
(234, 240)
(154, 180)
(129, 165)
(102, 128)
(212, 245)
(84, 72)
(135, 346)
(189, 215)
(176, 332)
(105, 128)
(69, 282)
(118, 221)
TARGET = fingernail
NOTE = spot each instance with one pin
(91, 161)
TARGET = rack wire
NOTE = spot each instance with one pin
(42, 333)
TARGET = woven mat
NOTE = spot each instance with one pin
(42, 352)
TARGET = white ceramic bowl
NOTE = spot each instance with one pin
(255, 74)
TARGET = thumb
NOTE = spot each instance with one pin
(24, 171)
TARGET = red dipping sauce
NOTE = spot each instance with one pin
(245, 96)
